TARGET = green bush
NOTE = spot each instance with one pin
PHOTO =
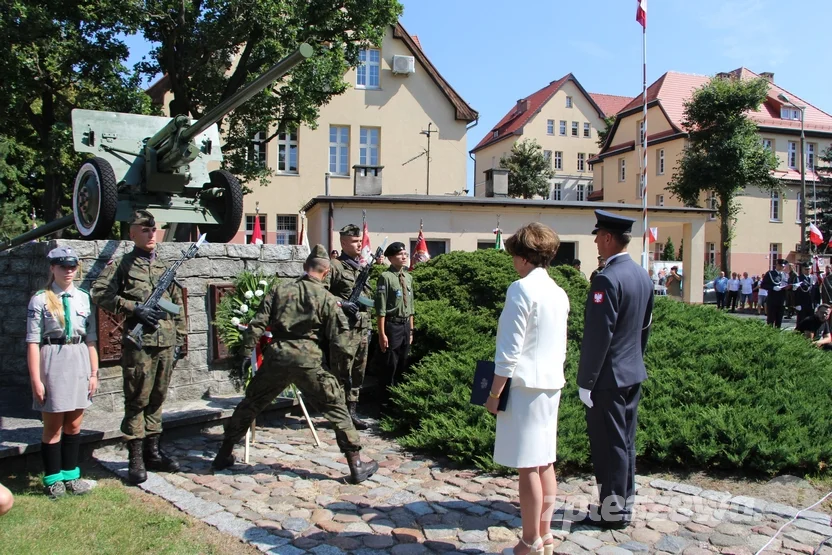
(722, 392)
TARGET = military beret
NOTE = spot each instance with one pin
(318, 251)
(394, 249)
(63, 256)
(612, 222)
(350, 230)
(143, 218)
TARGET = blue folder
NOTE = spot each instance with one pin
(483, 378)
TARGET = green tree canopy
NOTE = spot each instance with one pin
(669, 252)
(822, 213)
(602, 133)
(724, 154)
(529, 170)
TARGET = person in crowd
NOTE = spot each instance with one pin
(576, 264)
(122, 288)
(803, 293)
(746, 289)
(394, 313)
(755, 292)
(673, 282)
(618, 316)
(816, 327)
(6, 500)
(308, 329)
(333, 254)
(791, 280)
(531, 351)
(762, 297)
(598, 269)
(720, 287)
(63, 369)
(776, 282)
(733, 291)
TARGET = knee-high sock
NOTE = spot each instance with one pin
(51, 455)
(70, 445)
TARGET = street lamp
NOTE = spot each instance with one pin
(802, 109)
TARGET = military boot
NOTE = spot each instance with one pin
(136, 473)
(156, 460)
(225, 456)
(358, 423)
(359, 470)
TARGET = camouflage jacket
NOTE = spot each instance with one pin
(341, 281)
(306, 323)
(129, 281)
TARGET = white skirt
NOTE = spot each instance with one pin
(527, 431)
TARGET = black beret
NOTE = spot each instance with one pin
(394, 249)
(781, 261)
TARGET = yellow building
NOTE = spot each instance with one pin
(379, 125)
(768, 225)
(564, 119)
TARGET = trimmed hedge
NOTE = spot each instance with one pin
(722, 392)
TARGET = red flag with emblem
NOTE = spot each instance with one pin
(420, 252)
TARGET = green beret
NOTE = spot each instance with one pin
(143, 218)
(350, 230)
(318, 251)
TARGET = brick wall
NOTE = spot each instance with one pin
(24, 270)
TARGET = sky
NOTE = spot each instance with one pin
(494, 52)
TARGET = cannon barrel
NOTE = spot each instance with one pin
(38, 232)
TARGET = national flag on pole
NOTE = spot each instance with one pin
(654, 235)
(420, 252)
(304, 240)
(498, 239)
(365, 256)
(257, 234)
(815, 235)
(641, 13)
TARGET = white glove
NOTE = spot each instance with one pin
(798, 308)
(586, 396)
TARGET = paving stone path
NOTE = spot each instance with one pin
(293, 499)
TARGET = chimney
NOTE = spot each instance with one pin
(522, 105)
(768, 76)
(496, 182)
(723, 75)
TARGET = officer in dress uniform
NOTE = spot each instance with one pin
(394, 310)
(309, 331)
(617, 318)
(804, 293)
(776, 282)
(121, 289)
(341, 282)
(63, 369)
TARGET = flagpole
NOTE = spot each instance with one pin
(645, 259)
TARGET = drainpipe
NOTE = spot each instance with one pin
(468, 127)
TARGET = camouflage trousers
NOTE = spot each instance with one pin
(319, 386)
(146, 374)
(353, 369)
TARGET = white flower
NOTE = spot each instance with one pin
(244, 308)
(248, 294)
(263, 282)
(235, 321)
(259, 292)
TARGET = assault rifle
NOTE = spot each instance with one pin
(155, 301)
(356, 296)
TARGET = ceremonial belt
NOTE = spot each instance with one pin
(397, 320)
(78, 339)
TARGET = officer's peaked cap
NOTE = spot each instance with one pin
(612, 222)
(782, 261)
(143, 218)
(394, 249)
(63, 256)
(350, 230)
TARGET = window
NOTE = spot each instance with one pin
(581, 193)
(587, 132)
(369, 69)
(574, 128)
(767, 144)
(557, 191)
(658, 251)
(660, 162)
(659, 200)
(622, 169)
(710, 202)
(792, 155)
(789, 113)
(798, 207)
(589, 189)
(547, 155)
(581, 161)
(562, 129)
(641, 132)
(437, 247)
(710, 253)
(368, 146)
(485, 245)
(287, 230)
(339, 150)
(550, 127)
(774, 211)
(810, 156)
(287, 152)
(773, 255)
(568, 101)
(250, 227)
(558, 160)
(257, 149)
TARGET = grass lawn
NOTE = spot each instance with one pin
(112, 519)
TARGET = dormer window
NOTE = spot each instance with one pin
(789, 113)
(495, 133)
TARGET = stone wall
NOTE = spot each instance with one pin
(24, 270)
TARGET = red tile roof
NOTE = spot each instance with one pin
(610, 104)
(416, 40)
(671, 90)
(794, 175)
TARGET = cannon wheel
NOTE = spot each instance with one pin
(94, 199)
(231, 207)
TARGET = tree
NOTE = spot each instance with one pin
(208, 51)
(724, 154)
(13, 207)
(602, 133)
(669, 252)
(681, 255)
(529, 170)
(54, 57)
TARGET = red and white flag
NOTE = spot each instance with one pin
(420, 251)
(654, 235)
(257, 234)
(365, 256)
(259, 348)
(815, 235)
(641, 13)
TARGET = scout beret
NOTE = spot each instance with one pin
(63, 256)
(143, 218)
(318, 251)
(350, 230)
(612, 222)
(394, 249)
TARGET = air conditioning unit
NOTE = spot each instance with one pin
(404, 65)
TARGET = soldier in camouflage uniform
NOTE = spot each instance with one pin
(341, 282)
(308, 330)
(121, 289)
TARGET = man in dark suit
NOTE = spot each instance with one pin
(617, 316)
(776, 282)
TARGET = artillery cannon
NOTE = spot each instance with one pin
(158, 164)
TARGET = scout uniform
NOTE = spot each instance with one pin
(121, 288)
(394, 302)
(775, 282)
(617, 317)
(65, 368)
(341, 282)
(308, 329)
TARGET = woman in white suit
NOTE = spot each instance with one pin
(531, 350)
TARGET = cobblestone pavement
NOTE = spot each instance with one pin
(293, 499)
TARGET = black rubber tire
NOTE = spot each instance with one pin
(231, 207)
(95, 222)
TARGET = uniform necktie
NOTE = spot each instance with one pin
(67, 316)
(404, 288)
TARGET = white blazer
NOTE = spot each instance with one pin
(531, 334)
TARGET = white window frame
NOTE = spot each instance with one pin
(622, 170)
(587, 130)
(641, 132)
(568, 101)
(286, 229)
(550, 127)
(580, 192)
(339, 151)
(810, 156)
(791, 156)
(581, 161)
(660, 161)
(710, 253)
(589, 189)
(558, 160)
(495, 134)
(557, 191)
(797, 207)
(774, 211)
(574, 128)
(287, 142)
(659, 200)
(562, 128)
(258, 150)
(547, 155)
(789, 113)
(711, 203)
(368, 69)
(250, 226)
(773, 255)
(369, 140)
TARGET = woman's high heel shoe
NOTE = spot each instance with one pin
(548, 548)
(535, 548)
